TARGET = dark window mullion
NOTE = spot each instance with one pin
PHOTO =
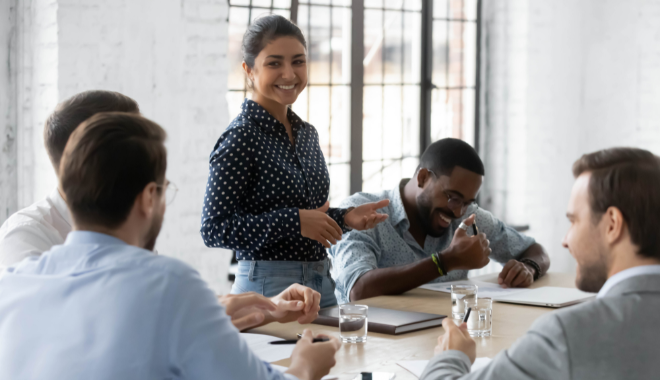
(357, 94)
(426, 80)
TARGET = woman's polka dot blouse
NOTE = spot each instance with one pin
(258, 181)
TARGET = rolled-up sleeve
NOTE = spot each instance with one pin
(356, 254)
(505, 242)
(224, 224)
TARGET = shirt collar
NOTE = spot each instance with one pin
(398, 212)
(60, 205)
(626, 274)
(90, 237)
(258, 114)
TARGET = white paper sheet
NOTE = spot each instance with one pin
(485, 289)
(416, 367)
(282, 369)
(258, 343)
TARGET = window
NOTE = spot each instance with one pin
(413, 62)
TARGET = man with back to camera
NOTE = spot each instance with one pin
(103, 306)
(613, 236)
(37, 228)
(428, 236)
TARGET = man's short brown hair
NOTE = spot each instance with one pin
(107, 162)
(73, 111)
(628, 179)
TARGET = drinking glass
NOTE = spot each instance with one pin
(480, 321)
(353, 323)
(459, 293)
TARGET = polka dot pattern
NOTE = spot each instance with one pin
(257, 182)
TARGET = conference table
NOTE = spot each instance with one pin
(381, 352)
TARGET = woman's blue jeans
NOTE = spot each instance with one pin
(270, 278)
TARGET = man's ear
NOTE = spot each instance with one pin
(147, 199)
(423, 175)
(614, 224)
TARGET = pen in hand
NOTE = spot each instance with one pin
(467, 315)
(294, 341)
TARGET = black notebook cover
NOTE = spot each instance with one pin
(385, 321)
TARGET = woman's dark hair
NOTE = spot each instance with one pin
(264, 30)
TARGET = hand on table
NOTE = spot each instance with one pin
(312, 361)
(247, 309)
(296, 303)
(317, 225)
(456, 338)
(365, 216)
(467, 252)
(516, 275)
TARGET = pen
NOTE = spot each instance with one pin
(467, 315)
(475, 229)
(294, 341)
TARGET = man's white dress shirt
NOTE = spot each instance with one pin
(34, 230)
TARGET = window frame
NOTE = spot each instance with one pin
(357, 76)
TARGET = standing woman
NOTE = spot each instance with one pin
(268, 183)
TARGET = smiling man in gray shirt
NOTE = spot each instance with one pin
(422, 240)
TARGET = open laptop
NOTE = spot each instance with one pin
(548, 296)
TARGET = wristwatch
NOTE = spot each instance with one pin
(534, 265)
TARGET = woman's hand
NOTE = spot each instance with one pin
(317, 225)
(365, 217)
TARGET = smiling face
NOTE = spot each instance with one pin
(585, 239)
(280, 72)
(433, 205)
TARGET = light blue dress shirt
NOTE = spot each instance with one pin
(98, 308)
(390, 243)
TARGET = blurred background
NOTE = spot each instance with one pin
(531, 85)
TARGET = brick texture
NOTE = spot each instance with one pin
(170, 56)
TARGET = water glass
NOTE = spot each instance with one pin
(460, 293)
(480, 321)
(353, 323)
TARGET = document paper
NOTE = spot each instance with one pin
(258, 343)
(485, 289)
(416, 367)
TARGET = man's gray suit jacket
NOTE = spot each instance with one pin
(614, 337)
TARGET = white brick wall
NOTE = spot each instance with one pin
(565, 77)
(8, 173)
(170, 56)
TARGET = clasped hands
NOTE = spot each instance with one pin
(295, 303)
(317, 225)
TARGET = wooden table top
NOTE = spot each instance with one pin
(381, 352)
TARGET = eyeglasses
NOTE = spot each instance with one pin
(454, 202)
(170, 191)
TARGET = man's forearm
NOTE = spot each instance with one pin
(394, 280)
(536, 253)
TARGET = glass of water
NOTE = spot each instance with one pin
(353, 323)
(460, 293)
(480, 321)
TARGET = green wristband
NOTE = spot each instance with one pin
(436, 260)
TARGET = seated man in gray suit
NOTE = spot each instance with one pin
(614, 215)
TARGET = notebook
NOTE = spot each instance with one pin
(385, 321)
(549, 296)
